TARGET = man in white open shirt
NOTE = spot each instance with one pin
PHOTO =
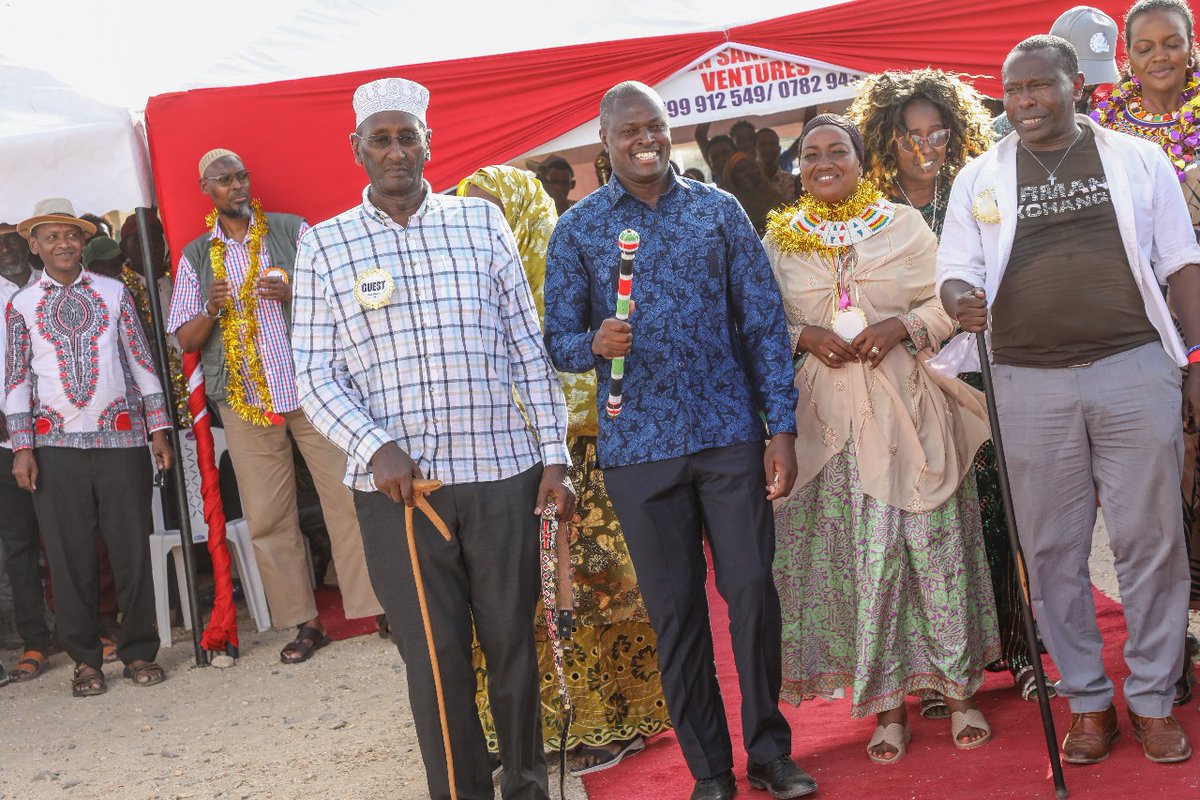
(1064, 232)
(78, 436)
(18, 521)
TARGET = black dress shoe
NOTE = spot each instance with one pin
(781, 778)
(719, 787)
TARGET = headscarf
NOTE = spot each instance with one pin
(838, 121)
(530, 213)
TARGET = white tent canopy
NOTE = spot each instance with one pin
(151, 47)
(57, 143)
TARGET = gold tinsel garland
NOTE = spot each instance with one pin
(239, 326)
(141, 299)
(785, 236)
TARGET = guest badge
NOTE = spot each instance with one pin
(277, 272)
(373, 289)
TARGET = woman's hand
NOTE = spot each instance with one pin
(832, 350)
(875, 342)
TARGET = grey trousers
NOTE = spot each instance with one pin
(486, 573)
(1112, 426)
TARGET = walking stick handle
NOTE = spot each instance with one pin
(425, 485)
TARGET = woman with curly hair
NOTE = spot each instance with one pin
(920, 128)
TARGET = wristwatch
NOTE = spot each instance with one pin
(204, 311)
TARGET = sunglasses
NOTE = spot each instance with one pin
(909, 142)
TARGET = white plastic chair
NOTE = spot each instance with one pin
(168, 542)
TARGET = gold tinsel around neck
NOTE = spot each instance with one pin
(784, 236)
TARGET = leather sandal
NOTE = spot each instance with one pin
(1026, 682)
(32, 664)
(145, 673)
(308, 641)
(87, 681)
(605, 759)
(971, 718)
(894, 735)
(934, 707)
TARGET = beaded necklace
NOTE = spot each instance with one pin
(1176, 133)
(809, 225)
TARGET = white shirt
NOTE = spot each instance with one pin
(1151, 215)
(7, 290)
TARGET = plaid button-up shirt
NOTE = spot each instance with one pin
(434, 369)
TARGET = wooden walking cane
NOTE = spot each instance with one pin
(1035, 659)
(420, 488)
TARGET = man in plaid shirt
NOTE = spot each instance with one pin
(413, 324)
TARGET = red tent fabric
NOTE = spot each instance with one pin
(873, 35)
(294, 134)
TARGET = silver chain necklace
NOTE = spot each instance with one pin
(932, 221)
(1053, 180)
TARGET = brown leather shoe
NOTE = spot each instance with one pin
(1091, 736)
(1163, 741)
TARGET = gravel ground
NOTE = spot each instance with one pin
(336, 727)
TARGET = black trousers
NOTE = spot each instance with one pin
(81, 494)
(665, 507)
(19, 533)
(488, 573)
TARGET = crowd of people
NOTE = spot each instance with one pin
(801, 394)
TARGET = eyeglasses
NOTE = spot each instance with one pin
(380, 142)
(910, 142)
(228, 178)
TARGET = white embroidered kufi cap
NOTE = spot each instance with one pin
(390, 94)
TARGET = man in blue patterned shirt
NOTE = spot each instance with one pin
(707, 363)
(413, 322)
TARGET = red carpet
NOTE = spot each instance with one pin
(329, 606)
(831, 746)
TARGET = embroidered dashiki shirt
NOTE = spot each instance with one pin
(7, 290)
(710, 357)
(77, 361)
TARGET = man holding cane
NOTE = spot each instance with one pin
(1064, 232)
(413, 323)
(686, 454)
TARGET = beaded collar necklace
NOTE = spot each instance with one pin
(1176, 133)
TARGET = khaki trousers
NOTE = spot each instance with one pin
(262, 461)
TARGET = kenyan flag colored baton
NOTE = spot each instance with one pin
(628, 242)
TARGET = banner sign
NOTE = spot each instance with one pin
(740, 83)
(731, 83)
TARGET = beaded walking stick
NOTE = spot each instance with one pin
(628, 242)
(556, 589)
